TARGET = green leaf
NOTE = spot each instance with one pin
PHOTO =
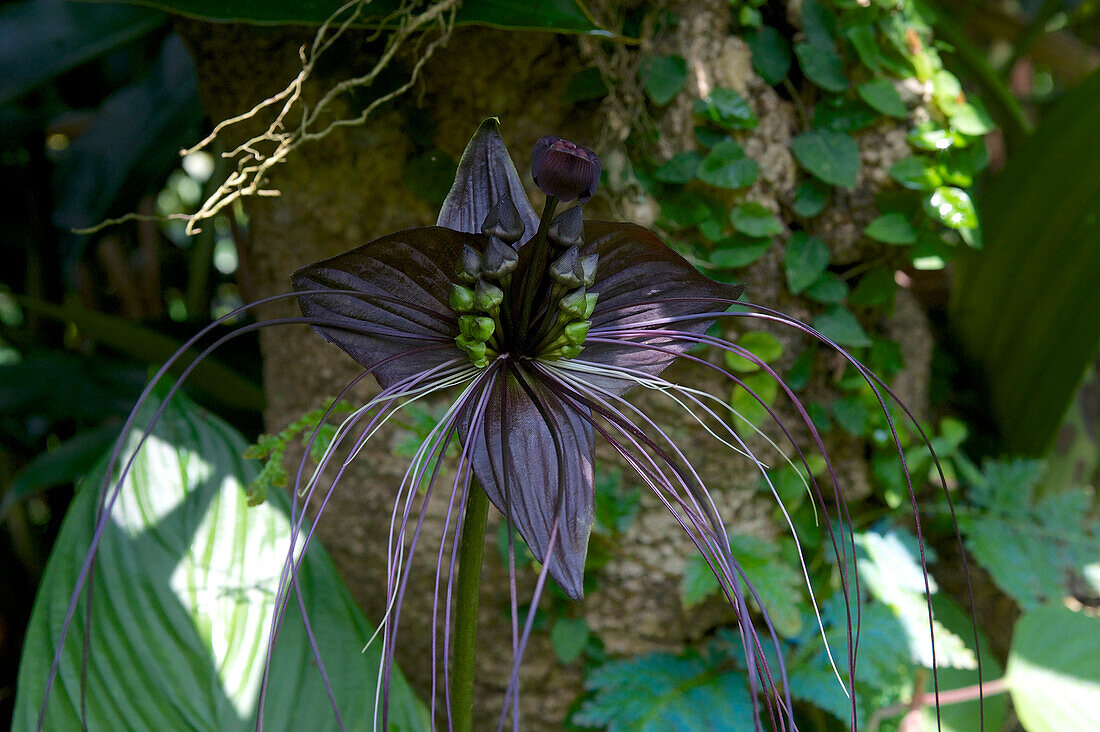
(738, 251)
(663, 77)
(184, 589)
(842, 115)
(569, 636)
(1032, 549)
(891, 228)
(819, 25)
(851, 414)
(838, 323)
(754, 219)
(804, 260)
(558, 15)
(916, 173)
(831, 156)
(586, 84)
(66, 463)
(727, 109)
(828, 289)
(726, 166)
(883, 97)
(867, 47)
(771, 54)
(749, 407)
(875, 287)
(146, 344)
(1053, 670)
(822, 66)
(952, 207)
(681, 168)
(928, 135)
(810, 198)
(970, 119)
(45, 39)
(761, 344)
(1025, 308)
(662, 691)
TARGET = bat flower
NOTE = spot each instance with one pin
(536, 326)
(509, 299)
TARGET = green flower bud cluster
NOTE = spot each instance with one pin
(571, 275)
(483, 278)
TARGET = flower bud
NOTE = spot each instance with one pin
(487, 297)
(476, 328)
(567, 228)
(462, 299)
(504, 221)
(565, 170)
(500, 259)
(469, 265)
(588, 269)
(574, 304)
(566, 269)
(575, 333)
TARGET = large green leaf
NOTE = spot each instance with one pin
(1054, 670)
(43, 38)
(145, 344)
(1025, 307)
(557, 15)
(184, 590)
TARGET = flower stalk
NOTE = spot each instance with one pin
(470, 552)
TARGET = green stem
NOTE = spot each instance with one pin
(470, 551)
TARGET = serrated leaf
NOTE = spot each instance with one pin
(1053, 670)
(663, 77)
(771, 54)
(681, 168)
(831, 156)
(891, 228)
(727, 109)
(662, 691)
(184, 589)
(883, 97)
(838, 324)
(727, 166)
(1031, 549)
(822, 66)
(804, 260)
(754, 219)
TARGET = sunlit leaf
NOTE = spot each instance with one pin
(184, 587)
(1053, 670)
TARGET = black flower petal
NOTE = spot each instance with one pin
(405, 280)
(533, 457)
